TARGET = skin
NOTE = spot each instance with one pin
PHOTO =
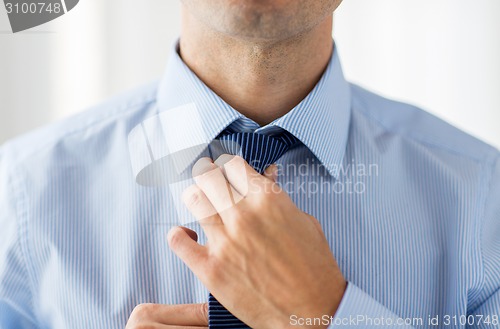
(276, 50)
(263, 58)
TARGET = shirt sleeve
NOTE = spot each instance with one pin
(487, 312)
(15, 294)
(359, 310)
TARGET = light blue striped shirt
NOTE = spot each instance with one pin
(409, 204)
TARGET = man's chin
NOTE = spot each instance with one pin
(258, 20)
(257, 23)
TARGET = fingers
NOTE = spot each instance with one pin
(169, 316)
(188, 250)
(222, 160)
(201, 208)
(192, 234)
(217, 189)
(242, 176)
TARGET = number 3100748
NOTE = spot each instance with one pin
(33, 8)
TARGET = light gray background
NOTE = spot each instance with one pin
(442, 55)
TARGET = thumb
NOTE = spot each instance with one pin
(183, 243)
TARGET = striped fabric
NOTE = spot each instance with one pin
(259, 151)
(409, 205)
(220, 318)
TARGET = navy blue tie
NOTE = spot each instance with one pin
(259, 151)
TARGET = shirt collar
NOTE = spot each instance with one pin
(320, 121)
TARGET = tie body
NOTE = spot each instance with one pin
(259, 151)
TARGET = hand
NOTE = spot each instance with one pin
(169, 316)
(265, 259)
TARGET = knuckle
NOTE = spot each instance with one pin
(174, 240)
(202, 312)
(223, 159)
(236, 161)
(143, 311)
(192, 196)
(237, 165)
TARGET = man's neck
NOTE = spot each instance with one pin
(261, 80)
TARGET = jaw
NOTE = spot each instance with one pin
(260, 21)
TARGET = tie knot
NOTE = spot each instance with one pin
(257, 149)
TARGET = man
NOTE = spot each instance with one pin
(394, 221)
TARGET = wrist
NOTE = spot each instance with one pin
(317, 315)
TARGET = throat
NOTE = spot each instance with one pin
(262, 81)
